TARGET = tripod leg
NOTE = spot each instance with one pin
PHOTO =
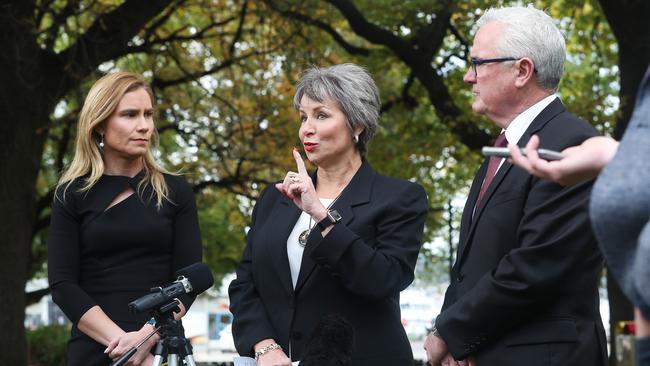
(189, 360)
(186, 352)
(172, 359)
(158, 354)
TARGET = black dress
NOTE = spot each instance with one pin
(110, 257)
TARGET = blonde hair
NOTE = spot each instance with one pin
(101, 102)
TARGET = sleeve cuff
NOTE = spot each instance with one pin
(73, 302)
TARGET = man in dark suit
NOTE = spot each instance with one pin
(524, 286)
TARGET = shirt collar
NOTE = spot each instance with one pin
(520, 124)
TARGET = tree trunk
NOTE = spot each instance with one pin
(31, 83)
(21, 146)
(19, 163)
(629, 22)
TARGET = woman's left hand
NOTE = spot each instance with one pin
(299, 188)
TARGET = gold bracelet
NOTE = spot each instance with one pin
(266, 349)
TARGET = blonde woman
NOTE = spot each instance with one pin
(120, 224)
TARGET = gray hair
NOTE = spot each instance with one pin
(530, 32)
(352, 88)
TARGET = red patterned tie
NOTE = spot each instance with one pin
(493, 165)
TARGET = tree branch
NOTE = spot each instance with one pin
(240, 28)
(468, 133)
(348, 47)
(189, 76)
(405, 98)
(150, 30)
(108, 38)
(59, 19)
(460, 38)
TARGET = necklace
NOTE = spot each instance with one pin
(302, 238)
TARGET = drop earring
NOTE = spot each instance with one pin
(356, 139)
(101, 142)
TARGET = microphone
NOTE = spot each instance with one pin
(331, 343)
(193, 280)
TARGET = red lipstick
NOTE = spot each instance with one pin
(310, 146)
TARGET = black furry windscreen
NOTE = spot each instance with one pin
(330, 344)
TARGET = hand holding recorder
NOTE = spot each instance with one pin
(578, 163)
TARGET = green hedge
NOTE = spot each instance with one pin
(46, 345)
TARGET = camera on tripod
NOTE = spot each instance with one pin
(160, 296)
(162, 303)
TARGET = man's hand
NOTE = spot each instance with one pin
(449, 360)
(436, 349)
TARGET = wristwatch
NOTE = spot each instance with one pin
(331, 219)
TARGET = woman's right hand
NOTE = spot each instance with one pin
(299, 188)
(275, 357)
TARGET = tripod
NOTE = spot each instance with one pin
(172, 339)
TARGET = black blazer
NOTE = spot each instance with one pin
(524, 286)
(357, 271)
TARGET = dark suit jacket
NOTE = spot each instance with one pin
(524, 286)
(356, 271)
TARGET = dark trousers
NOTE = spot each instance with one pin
(643, 351)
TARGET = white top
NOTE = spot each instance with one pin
(294, 249)
(520, 124)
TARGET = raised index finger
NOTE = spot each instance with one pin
(302, 170)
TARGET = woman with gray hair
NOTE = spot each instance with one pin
(340, 242)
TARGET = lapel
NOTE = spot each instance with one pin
(468, 223)
(277, 229)
(468, 210)
(357, 192)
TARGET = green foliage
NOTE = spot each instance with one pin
(591, 84)
(223, 219)
(223, 73)
(47, 345)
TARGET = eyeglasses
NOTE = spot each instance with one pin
(480, 61)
